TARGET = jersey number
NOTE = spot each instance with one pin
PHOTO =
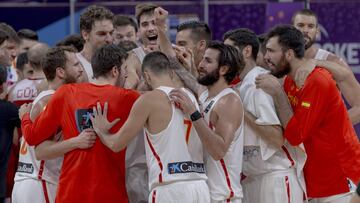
(188, 123)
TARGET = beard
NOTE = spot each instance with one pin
(309, 42)
(210, 78)
(70, 79)
(282, 68)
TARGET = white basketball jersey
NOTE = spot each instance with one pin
(30, 167)
(224, 175)
(174, 154)
(259, 156)
(140, 53)
(24, 91)
(321, 54)
(87, 67)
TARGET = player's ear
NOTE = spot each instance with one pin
(85, 35)
(115, 71)
(223, 70)
(60, 72)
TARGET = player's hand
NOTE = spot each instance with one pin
(185, 57)
(25, 108)
(99, 120)
(160, 17)
(182, 101)
(303, 72)
(85, 139)
(269, 83)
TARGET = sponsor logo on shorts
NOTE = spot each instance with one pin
(186, 167)
(82, 117)
(25, 168)
(251, 152)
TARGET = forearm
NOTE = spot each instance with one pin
(188, 79)
(213, 143)
(283, 107)
(354, 115)
(272, 134)
(164, 43)
(339, 72)
(350, 88)
(52, 149)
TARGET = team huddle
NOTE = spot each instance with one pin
(120, 114)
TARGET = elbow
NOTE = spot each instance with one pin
(218, 155)
(39, 156)
(115, 148)
(294, 142)
(279, 142)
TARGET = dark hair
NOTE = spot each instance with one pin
(74, 40)
(230, 57)
(3, 37)
(123, 20)
(54, 58)
(199, 30)
(27, 34)
(157, 62)
(94, 13)
(106, 57)
(127, 45)
(21, 60)
(306, 12)
(243, 37)
(10, 32)
(262, 42)
(144, 9)
(289, 38)
(3, 74)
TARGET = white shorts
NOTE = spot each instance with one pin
(341, 198)
(238, 200)
(184, 191)
(31, 190)
(279, 187)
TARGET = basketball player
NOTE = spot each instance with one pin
(96, 29)
(125, 29)
(221, 129)
(25, 91)
(85, 173)
(307, 22)
(194, 36)
(37, 180)
(268, 158)
(319, 121)
(220, 132)
(173, 149)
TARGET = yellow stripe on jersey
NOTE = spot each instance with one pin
(305, 104)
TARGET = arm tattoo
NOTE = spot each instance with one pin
(188, 79)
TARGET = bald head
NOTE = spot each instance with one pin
(36, 53)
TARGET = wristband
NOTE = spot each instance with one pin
(195, 116)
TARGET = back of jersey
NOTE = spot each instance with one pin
(174, 154)
(29, 166)
(24, 91)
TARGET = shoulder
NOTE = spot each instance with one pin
(229, 101)
(320, 78)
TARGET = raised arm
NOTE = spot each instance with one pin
(165, 46)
